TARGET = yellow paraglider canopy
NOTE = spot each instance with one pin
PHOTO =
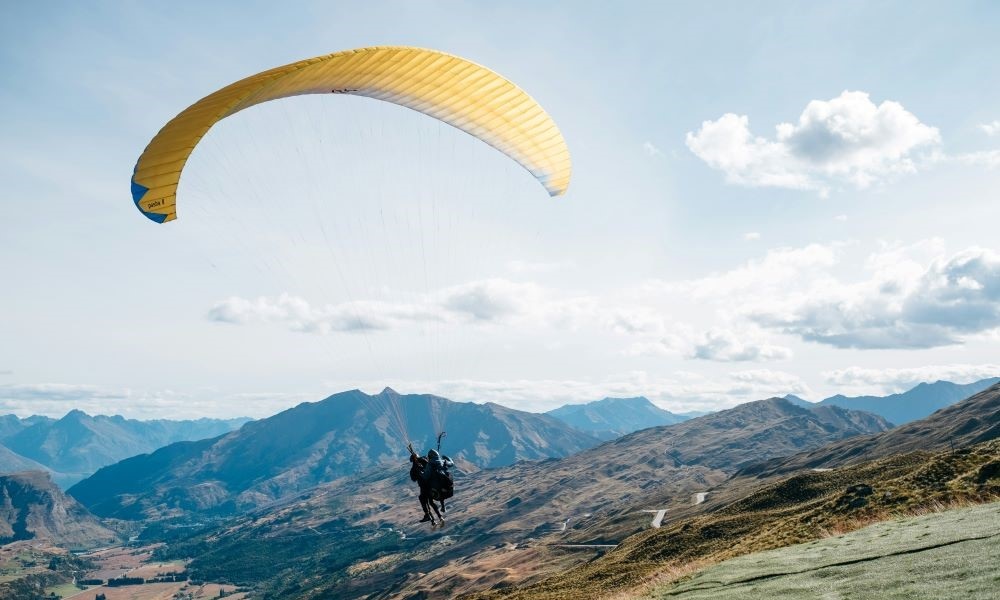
(456, 91)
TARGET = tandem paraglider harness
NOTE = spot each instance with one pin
(432, 470)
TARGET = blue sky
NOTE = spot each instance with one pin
(768, 198)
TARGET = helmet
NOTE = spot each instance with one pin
(432, 454)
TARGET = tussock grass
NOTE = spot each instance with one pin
(803, 507)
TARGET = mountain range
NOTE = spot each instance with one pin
(902, 471)
(75, 446)
(614, 417)
(597, 492)
(317, 442)
(974, 420)
(915, 403)
(335, 471)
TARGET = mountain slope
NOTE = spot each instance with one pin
(806, 506)
(79, 444)
(613, 417)
(974, 420)
(12, 462)
(33, 507)
(915, 403)
(313, 443)
(941, 555)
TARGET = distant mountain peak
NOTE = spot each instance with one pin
(318, 442)
(798, 401)
(609, 418)
(633, 401)
(916, 403)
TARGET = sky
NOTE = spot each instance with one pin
(767, 198)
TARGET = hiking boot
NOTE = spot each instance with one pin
(426, 518)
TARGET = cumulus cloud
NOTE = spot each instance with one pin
(491, 299)
(297, 314)
(901, 296)
(764, 276)
(679, 391)
(726, 346)
(903, 305)
(991, 129)
(57, 399)
(717, 344)
(848, 139)
(897, 380)
(481, 302)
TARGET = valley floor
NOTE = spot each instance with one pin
(953, 554)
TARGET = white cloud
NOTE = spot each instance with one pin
(907, 296)
(491, 299)
(990, 129)
(840, 218)
(865, 380)
(57, 399)
(903, 304)
(680, 391)
(848, 139)
(751, 236)
(296, 314)
(716, 344)
(480, 302)
(904, 296)
(726, 346)
(774, 272)
(512, 304)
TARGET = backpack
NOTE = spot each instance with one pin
(443, 487)
(441, 483)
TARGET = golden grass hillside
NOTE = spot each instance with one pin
(800, 508)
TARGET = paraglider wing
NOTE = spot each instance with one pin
(451, 89)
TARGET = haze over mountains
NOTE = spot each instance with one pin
(613, 417)
(75, 446)
(915, 403)
(972, 421)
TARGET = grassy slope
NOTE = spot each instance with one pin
(798, 509)
(944, 555)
